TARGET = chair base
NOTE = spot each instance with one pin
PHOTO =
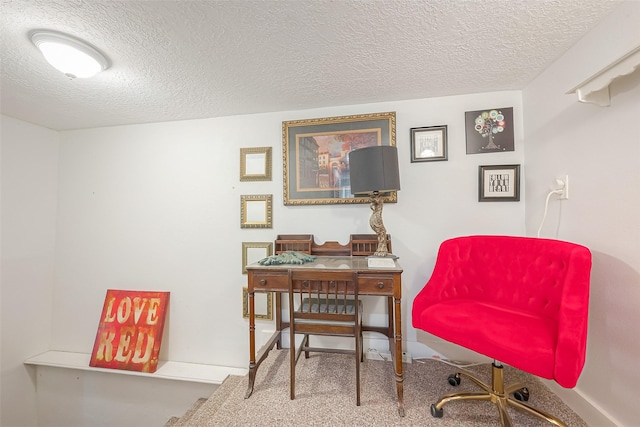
(496, 393)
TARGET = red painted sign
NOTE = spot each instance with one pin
(130, 330)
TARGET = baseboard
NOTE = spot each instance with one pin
(581, 405)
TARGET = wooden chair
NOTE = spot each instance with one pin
(319, 306)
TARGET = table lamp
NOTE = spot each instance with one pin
(374, 171)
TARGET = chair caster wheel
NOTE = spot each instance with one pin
(435, 412)
(454, 380)
(522, 395)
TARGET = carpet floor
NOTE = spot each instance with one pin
(325, 395)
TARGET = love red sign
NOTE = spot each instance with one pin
(130, 330)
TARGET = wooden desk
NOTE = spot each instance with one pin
(383, 282)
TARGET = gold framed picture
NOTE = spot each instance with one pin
(316, 156)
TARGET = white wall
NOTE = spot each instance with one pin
(599, 148)
(75, 398)
(29, 199)
(157, 207)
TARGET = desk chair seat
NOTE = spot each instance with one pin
(518, 300)
(324, 307)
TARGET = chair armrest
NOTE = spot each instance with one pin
(573, 320)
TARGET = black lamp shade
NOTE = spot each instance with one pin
(374, 169)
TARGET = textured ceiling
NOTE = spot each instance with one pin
(176, 60)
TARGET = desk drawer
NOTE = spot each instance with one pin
(273, 281)
(375, 285)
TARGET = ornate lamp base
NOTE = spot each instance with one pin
(377, 225)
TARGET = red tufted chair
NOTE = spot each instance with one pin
(521, 301)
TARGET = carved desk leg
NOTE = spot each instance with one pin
(253, 367)
(398, 355)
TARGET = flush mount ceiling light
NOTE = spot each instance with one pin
(72, 56)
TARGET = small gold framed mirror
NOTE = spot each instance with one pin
(254, 252)
(255, 164)
(263, 304)
(256, 211)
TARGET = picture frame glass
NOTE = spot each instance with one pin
(316, 156)
(256, 164)
(256, 211)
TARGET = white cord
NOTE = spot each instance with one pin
(379, 353)
(546, 206)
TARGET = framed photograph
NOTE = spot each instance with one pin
(263, 304)
(255, 164)
(254, 252)
(316, 156)
(429, 144)
(490, 130)
(256, 211)
(499, 183)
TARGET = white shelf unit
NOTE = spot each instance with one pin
(595, 89)
(168, 370)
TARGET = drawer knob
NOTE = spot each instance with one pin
(380, 285)
(305, 283)
(263, 282)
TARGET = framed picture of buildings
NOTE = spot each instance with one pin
(316, 156)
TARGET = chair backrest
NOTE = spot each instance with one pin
(314, 297)
(530, 274)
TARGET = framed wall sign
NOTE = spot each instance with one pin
(255, 164)
(490, 130)
(499, 183)
(256, 211)
(316, 156)
(428, 144)
(263, 304)
(254, 252)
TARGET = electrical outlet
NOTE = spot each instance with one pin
(563, 185)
